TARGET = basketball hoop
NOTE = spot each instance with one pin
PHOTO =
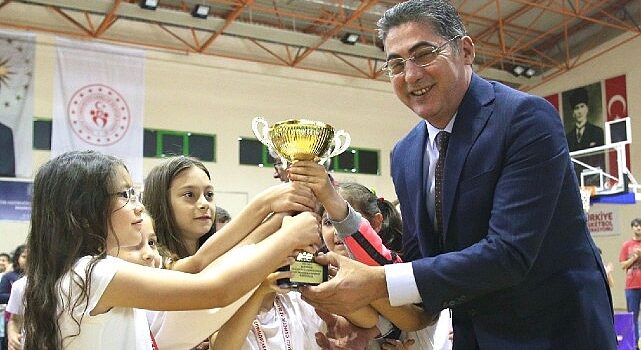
(586, 193)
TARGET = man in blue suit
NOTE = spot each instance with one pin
(500, 238)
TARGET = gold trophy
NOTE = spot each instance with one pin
(300, 139)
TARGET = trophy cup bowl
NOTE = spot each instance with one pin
(301, 139)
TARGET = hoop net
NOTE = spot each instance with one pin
(586, 193)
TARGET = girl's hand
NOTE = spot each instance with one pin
(315, 176)
(303, 231)
(288, 197)
(269, 285)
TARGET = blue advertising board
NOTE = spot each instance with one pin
(15, 199)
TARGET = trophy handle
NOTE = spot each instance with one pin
(261, 130)
(340, 143)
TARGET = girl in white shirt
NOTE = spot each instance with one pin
(84, 210)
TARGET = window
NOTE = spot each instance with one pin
(42, 134)
(149, 143)
(253, 152)
(156, 143)
(166, 143)
(355, 160)
(202, 147)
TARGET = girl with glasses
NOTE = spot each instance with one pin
(80, 296)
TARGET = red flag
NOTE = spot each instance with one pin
(616, 104)
(554, 100)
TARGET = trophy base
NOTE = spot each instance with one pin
(305, 272)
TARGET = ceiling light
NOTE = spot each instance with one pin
(518, 70)
(350, 38)
(530, 72)
(201, 11)
(149, 4)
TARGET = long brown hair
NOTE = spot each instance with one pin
(157, 201)
(70, 214)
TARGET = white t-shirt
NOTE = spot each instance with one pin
(119, 328)
(301, 319)
(16, 299)
(180, 330)
(434, 337)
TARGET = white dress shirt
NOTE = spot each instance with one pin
(401, 285)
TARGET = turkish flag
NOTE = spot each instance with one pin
(616, 103)
(554, 100)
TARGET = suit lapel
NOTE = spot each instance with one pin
(471, 117)
(414, 166)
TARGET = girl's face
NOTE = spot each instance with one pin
(192, 202)
(331, 238)
(22, 260)
(126, 214)
(146, 251)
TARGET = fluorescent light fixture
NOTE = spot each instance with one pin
(149, 4)
(350, 38)
(201, 11)
(518, 70)
(530, 72)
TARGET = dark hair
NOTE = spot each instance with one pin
(222, 215)
(157, 201)
(15, 260)
(70, 215)
(636, 221)
(364, 201)
(578, 95)
(5, 255)
(440, 15)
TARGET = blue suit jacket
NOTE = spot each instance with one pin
(519, 269)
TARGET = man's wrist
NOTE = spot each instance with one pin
(381, 283)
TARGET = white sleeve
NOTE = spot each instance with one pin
(101, 275)
(16, 299)
(401, 285)
(179, 330)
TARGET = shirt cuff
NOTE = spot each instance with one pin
(401, 285)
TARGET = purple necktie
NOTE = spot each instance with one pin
(442, 139)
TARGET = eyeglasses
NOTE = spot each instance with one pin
(131, 195)
(422, 57)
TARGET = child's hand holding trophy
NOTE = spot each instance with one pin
(299, 140)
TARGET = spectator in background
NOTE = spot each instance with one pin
(7, 156)
(222, 217)
(5, 266)
(19, 263)
(630, 262)
(5, 263)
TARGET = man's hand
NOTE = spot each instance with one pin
(354, 286)
(342, 335)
